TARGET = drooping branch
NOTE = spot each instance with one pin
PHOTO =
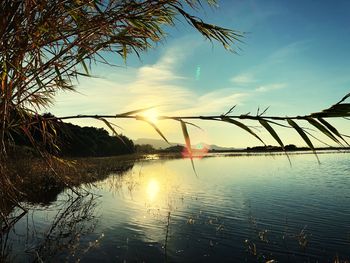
(46, 45)
(316, 120)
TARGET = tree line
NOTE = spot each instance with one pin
(74, 141)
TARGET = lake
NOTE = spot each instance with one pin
(236, 209)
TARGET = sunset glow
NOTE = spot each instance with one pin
(281, 65)
(151, 115)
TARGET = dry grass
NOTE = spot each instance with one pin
(34, 180)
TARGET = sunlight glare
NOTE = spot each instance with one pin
(152, 189)
(151, 115)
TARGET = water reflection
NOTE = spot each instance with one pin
(52, 233)
(234, 211)
(57, 222)
(75, 219)
(152, 189)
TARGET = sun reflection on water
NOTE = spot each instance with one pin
(153, 188)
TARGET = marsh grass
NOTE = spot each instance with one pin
(36, 182)
(258, 246)
(46, 46)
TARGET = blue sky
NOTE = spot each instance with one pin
(295, 59)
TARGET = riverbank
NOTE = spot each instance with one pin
(248, 208)
(39, 181)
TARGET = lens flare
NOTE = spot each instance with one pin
(199, 151)
(198, 72)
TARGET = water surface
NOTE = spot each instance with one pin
(238, 209)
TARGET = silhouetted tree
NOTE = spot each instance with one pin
(73, 140)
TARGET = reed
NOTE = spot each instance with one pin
(46, 45)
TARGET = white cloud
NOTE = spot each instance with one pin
(243, 79)
(270, 87)
(262, 71)
(160, 84)
(214, 102)
(157, 84)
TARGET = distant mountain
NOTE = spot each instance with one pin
(156, 144)
(161, 144)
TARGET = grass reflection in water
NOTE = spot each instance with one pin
(160, 211)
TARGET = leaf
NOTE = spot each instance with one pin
(303, 135)
(85, 67)
(244, 127)
(323, 129)
(268, 127)
(58, 73)
(156, 128)
(337, 110)
(82, 74)
(39, 82)
(125, 51)
(186, 136)
(332, 128)
(340, 108)
(188, 143)
(134, 111)
(194, 125)
(344, 98)
(109, 125)
(230, 110)
(317, 139)
(264, 111)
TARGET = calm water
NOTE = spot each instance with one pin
(238, 209)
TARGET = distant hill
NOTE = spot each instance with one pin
(156, 144)
(161, 144)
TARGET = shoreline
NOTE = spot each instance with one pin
(37, 183)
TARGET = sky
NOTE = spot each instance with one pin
(294, 59)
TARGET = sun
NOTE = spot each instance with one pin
(151, 115)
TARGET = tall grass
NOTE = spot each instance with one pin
(46, 45)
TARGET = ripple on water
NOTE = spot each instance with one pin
(237, 209)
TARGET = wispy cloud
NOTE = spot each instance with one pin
(291, 50)
(245, 78)
(214, 102)
(270, 87)
(160, 84)
(260, 72)
(157, 84)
